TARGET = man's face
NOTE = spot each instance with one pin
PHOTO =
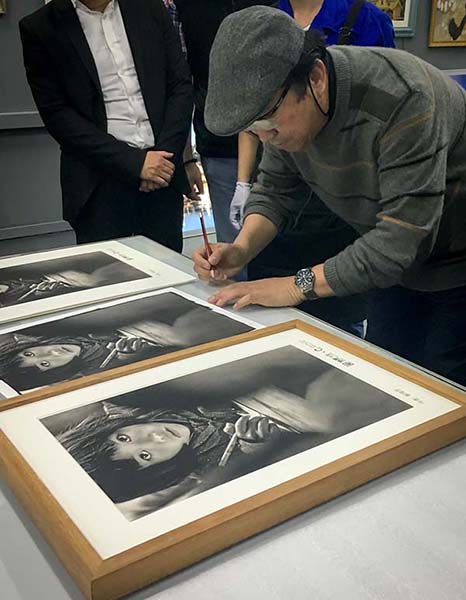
(297, 120)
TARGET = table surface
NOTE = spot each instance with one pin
(402, 536)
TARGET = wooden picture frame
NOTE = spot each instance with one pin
(447, 25)
(403, 14)
(255, 501)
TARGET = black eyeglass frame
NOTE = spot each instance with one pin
(272, 111)
(276, 106)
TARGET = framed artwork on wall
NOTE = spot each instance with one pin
(403, 14)
(447, 23)
(133, 478)
(2, 7)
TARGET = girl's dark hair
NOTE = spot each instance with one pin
(89, 444)
(314, 48)
(25, 378)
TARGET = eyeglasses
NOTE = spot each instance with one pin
(265, 123)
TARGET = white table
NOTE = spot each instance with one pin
(402, 536)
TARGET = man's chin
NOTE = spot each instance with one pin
(291, 147)
(285, 146)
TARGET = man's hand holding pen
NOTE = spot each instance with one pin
(225, 261)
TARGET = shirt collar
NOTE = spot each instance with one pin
(77, 4)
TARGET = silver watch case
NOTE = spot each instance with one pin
(305, 279)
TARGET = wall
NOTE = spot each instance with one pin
(30, 197)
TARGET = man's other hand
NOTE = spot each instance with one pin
(157, 171)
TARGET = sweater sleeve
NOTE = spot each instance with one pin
(280, 194)
(412, 160)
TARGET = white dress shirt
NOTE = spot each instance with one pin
(127, 118)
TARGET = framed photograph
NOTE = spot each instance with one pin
(134, 478)
(34, 284)
(2, 7)
(403, 14)
(447, 23)
(86, 341)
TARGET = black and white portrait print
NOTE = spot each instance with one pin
(149, 448)
(108, 337)
(58, 276)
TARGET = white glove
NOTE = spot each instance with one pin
(238, 201)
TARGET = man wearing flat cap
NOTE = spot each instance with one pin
(380, 136)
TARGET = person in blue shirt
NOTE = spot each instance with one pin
(355, 22)
(372, 26)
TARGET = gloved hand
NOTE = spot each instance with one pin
(238, 201)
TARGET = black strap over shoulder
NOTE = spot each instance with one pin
(345, 33)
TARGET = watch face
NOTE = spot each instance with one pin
(305, 279)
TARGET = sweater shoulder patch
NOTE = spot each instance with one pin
(373, 101)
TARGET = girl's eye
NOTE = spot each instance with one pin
(144, 455)
(122, 437)
(44, 363)
(28, 353)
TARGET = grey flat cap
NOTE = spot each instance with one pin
(251, 57)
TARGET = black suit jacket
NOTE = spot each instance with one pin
(63, 77)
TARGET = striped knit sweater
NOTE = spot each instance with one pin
(392, 163)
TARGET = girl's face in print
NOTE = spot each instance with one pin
(149, 443)
(53, 356)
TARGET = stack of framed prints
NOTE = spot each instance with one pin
(134, 477)
(45, 282)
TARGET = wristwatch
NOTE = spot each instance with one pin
(305, 279)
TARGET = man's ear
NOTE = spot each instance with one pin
(318, 77)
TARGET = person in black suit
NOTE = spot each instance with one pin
(113, 89)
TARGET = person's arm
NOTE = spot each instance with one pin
(179, 92)
(75, 134)
(228, 259)
(257, 233)
(247, 156)
(280, 193)
(412, 178)
(274, 203)
(247, 153)
(193, 173)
